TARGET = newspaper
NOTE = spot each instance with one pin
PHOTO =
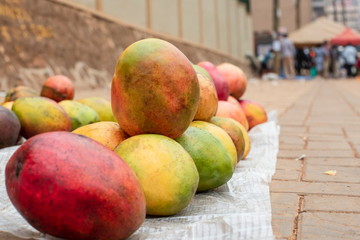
(240, 209)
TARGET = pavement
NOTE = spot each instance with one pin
(320, 132)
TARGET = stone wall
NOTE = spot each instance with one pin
(39, 38)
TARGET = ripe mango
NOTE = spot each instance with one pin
(79, 113)
(101, 106)
(39, 115)
(9, 128)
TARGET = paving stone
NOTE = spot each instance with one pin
(333, 188)
(326, 130)
(287, 170)
(331, 203)
(284, 207)
(291, 139)
(285, 146)
(334, 161)
(315, 173)
(329, 226)
(329, 153)
(285, 129)
(323, 145)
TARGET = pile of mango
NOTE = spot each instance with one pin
(173, 129)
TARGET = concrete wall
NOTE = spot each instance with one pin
(40, 38)
(212, 23)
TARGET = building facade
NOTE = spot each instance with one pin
(346, 12)
(263, 17)
(223, 25)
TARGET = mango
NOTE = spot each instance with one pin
(220, 134)
(39, 115)
(107, 133)
(79, 113)
(18, 92)
(167, 173)
(58, 88)
(213, 162)
(72, 187)
(235, 130)
(101, 106)
(154, 89)
(9, 128)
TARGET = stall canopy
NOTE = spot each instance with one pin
(316, 32)
(348, 36)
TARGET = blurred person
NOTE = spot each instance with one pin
(276, 46)
(302, 61)
(319, 59)
(349, 55)
(287, 56)
(327, 48)
(266, 62)
(334, 62)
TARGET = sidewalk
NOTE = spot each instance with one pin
(320, 119)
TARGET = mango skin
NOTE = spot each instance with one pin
(101, 106)
(18, 92)
(8, 105)
(220, 134)
(154, 89)
(39, 115)
(80, 114)
(254, 112)
(208, 103)
(58, 88)
(9, 128)
(213, 162)
(235, 130)
(107, 133)
(167, 173)
(72, 187)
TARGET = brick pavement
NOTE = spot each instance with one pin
(320, 119)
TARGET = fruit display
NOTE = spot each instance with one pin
(72, 187)
(39, 115)
(9, 128)
(154, 89)
(79, 113)
(58, 88)
(171, 130)
(167, 172)
(101, 106)
(107, 133)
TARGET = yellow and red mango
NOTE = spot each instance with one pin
(220, 134)
(101, 106)
(213, 162)
(235, 130)
(18, 92)
(72, 187)
(79, 113)
(167, 173)
(221, 85)
(255, 113)
(9, 128)
(107, 133)
(235, 77)
(58, 88)
(208, 99)
(230, 110)
(154, 90)
(39, 115)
